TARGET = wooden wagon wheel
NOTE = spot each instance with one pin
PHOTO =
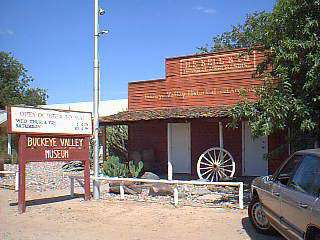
(215, 164)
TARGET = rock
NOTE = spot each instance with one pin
(181, 194)
(209, 198)
(161, 190)
(127, 190)
(150, 175)
(135, 187)
(202, 191)
(202, 180)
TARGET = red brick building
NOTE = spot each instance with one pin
(177, 118)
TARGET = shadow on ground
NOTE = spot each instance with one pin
(41, 201)
(255, 235)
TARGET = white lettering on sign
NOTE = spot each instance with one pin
(218, 63)
(71, 142)
(41, 142)
(53, 142)
(56, 154)
(36, 120)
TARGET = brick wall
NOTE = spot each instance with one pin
(150, 135)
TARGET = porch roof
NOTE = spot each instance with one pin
(165, 113)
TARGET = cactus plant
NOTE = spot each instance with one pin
(135, 169)
(114, 168)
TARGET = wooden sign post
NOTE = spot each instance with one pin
(47, 135)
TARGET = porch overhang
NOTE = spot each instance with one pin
(129, 116)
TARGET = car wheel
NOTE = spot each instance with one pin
(258, 218)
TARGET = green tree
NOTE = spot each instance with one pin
(15, 89)
(15, 84)
(290, 95)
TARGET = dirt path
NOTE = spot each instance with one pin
(55, 216)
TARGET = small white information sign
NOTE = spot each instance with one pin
(38, 120)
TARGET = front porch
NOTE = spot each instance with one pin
(170, 141)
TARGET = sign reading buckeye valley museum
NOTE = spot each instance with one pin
(48, 135)
(39, 148)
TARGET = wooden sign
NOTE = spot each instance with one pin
(217, 64)
(41, 148)
(47, 135)
(51, 121)
(47, 148)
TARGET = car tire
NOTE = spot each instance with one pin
(258, 218)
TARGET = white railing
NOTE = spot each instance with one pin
(122, 182)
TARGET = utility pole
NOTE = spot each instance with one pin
(96, 96)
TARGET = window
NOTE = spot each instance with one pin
(306, 176)
(316, 186)
(288, 169)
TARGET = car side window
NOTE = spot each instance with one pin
(306, 176)
(288, 169)
(316, 186)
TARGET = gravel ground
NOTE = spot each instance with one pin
(49, 176)
(40, 176)
(53, 215)
(202, 213)
(195, 196)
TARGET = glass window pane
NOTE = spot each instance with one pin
(290, 166)
(288, 170)
(316, 186)
(306, 175)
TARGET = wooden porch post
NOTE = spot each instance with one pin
(221, 134)
(104, 140)
(10, 145)
(169, 151)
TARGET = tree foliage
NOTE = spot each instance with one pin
(15, 84)
(290, 95)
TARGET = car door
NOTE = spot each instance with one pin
(298, 197)
(315, 219)
(271, 197)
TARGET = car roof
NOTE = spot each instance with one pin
(315, 151)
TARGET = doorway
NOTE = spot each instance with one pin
(180, 150)
(255, 150)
